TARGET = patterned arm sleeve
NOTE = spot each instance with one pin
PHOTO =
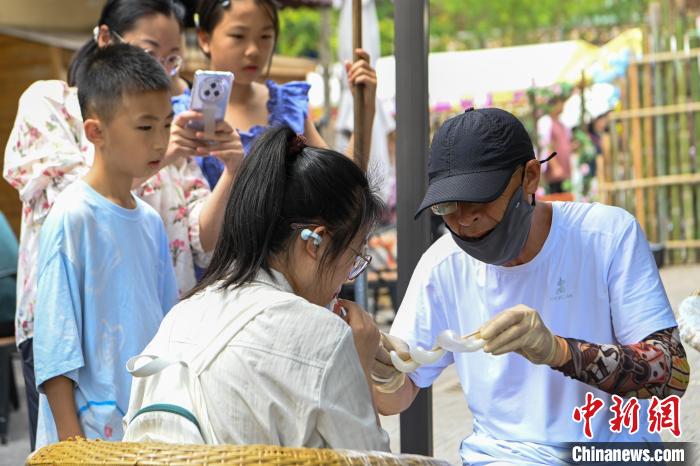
(656, 366)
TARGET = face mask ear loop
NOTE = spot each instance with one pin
(551, 156)
(522, 180)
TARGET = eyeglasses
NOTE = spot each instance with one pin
(444, 208)
(171, 63)
(448, 208)
(359, 263)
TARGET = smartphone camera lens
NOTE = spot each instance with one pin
(212, 85)
(207, 93)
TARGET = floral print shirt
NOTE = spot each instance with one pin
(47, 150)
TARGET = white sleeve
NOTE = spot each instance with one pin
(638, 302)
(421, 318)
(346, 415)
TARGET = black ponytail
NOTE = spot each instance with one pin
(277, 186)
(120, 16)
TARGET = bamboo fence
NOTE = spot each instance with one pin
(651, 165)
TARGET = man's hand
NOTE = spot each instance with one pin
(521, 329)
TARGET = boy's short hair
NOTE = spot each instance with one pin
(112, 72)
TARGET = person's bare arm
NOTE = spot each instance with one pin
(229, 149)
(397, 402)
(59, 391)
(313, 137)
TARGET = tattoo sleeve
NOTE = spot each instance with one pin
(656, 366)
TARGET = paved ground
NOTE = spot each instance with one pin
(452, 420)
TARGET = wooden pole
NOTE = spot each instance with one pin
(622, 150)
(695, 97)
(685, 163)
(611, 165)
(359, 101)
(659, 133)
(602, 169)
(325, 53)
(359, 155)
(671, 121)
(648, 147)
(636, 146)
(668, 180)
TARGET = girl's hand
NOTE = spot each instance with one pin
(364, 331)
(183, 142)
(225, 144)
(361, 73)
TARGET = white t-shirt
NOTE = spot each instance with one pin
(594, 279)
(290, 377)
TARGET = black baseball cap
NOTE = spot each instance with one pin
(473, 156)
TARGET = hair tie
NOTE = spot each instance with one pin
(296, 145)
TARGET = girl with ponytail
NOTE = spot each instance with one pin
(296, 374)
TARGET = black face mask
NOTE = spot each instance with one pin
(505, 242)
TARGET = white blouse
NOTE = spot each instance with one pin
(290, 377)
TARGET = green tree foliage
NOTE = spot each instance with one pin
(470, 24)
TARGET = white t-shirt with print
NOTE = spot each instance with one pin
(594, 279)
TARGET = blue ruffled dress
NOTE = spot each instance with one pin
(288, 105)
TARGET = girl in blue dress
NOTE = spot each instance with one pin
(240, 36)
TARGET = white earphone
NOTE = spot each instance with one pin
(306, 234)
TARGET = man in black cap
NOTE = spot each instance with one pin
(566, 295)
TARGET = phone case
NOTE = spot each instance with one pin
(210, 94)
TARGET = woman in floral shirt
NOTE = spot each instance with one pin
(47, 150)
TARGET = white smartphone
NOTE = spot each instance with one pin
(210, 94)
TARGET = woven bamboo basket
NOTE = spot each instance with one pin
(96, 452)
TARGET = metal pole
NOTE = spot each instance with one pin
(361, 297)
(412, 134)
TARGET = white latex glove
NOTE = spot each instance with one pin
(521, 329)
(386, 378)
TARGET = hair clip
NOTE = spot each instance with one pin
(225, 3)
(306, 234)
(96, 33)
(296, 145)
